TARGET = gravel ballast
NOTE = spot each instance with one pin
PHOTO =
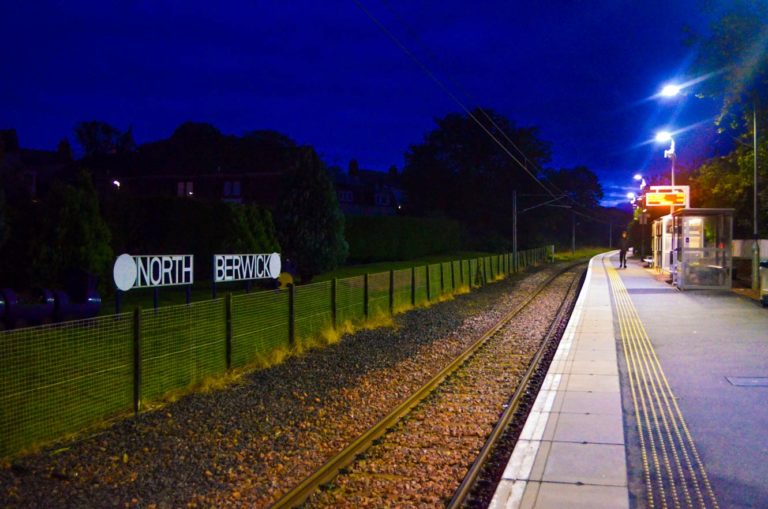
(245, 445)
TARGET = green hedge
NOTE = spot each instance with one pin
(374, 239)
(168, 225)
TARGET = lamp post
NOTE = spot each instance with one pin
(663, 137)
(673, 90)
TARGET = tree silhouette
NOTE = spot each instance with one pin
(309, 223)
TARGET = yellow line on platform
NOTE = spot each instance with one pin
(664, 437)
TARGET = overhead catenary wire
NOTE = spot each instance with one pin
(526, 161)
(426, 70)
(466, 94)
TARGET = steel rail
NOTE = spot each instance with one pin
(328, 471)
(465, 488)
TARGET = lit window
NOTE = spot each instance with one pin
(184, 188)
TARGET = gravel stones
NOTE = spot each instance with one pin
(245, 445)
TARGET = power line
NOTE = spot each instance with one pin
(450, 94)
(424, 68)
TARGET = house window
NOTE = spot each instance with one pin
(185, 188)
(345, 196)
(381, 199)
(232, 189)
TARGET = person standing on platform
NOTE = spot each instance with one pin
(623, 247)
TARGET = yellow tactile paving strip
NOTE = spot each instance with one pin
(673, 472)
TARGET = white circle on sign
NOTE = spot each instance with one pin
(124, 272)
(274, 265)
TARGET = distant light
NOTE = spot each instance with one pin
(663, 136)
(630, 196)
(116, 183)
(670, 90)
(189, 193)
(399, 207)
(637, 176)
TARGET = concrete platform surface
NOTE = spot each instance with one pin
(655, 398)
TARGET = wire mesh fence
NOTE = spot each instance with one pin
(350, 299)
(420, 276)
(60, 378)
(181, 346)
(56, 379)
(402, 291)
(313, 309)
(378, 294)
(434, 281)
(260, 325)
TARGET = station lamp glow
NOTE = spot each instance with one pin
(116, 183)
(670, 90)
(663, 136)
(630, 196)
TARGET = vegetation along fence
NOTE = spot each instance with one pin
(56, 379)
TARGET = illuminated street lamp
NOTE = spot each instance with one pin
(672, 90)
(663, 137)
(630, 196)
(640, 179)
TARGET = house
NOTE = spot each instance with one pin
(29, 171)
(368, 192)
(261, 188)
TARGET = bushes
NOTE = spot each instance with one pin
(387, 238)
(187, 226)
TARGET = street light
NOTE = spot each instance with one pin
(664, 137)
(631, 196)
(674, 90)
(670, 90)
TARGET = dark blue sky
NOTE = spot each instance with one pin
(326, 75)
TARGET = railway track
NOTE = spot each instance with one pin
(419, 454)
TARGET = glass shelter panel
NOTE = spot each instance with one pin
(703, 249)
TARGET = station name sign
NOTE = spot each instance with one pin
(151, 271)
(245, 267)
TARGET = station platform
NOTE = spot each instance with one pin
(655, 398)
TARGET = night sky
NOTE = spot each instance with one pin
(326, 75)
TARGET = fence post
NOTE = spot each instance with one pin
(428, 290)
(365, 296)
(292, 315)
(334, 305)
(453, 278)
(442, 279)
(136, 360)
(391, 292)
(413, 286)
(228, 317)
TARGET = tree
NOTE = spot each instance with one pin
(4, 227)
(726, 181)
(309, 223)
(354, 168)
(460, 172)
(64, 150)
(732, 56)
(73, 236)
(99, 138)
(580, 184)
